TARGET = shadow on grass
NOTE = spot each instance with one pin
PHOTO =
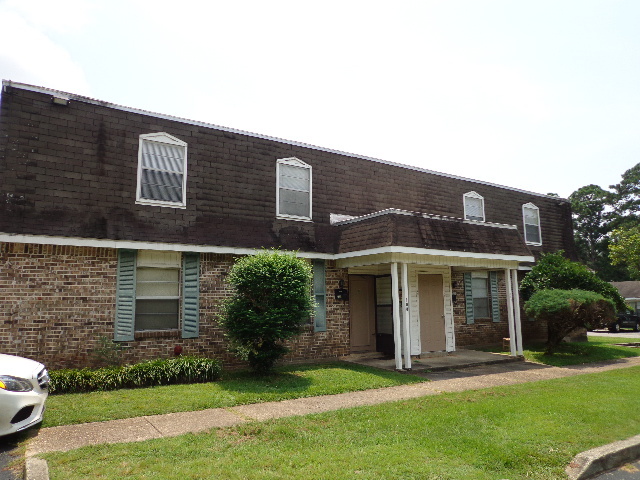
(300, 378)
(576, 353)
(582, 352)
(279, 381)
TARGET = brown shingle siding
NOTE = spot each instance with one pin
(84, 158)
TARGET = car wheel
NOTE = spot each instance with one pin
(636, 327)
(616, 327)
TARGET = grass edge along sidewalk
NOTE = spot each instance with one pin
(235, 388)
(554, 426)
(293, 381)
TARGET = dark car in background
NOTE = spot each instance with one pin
(625, 320)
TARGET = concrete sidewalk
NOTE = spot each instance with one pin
(145, 428)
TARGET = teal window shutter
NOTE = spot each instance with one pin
(495, 303)
(320, 296)
(468, 297)
(125, 296)
(190, 295)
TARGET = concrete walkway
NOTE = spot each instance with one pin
(145, 428)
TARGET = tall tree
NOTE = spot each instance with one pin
(591, 224)
(625, 249)
(596, 213)
(626, 198)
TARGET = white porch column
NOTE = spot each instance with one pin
(397, 338)
(406, 317)
(397, 335)
(516, 307)
(510, 315)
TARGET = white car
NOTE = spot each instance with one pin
(24, 387)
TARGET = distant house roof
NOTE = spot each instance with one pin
(629, 290)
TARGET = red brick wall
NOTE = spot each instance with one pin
(56, 301)
(486, 331)
(335, 341)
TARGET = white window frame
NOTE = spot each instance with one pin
(294, 162)
(165, 138)
(484, 277)
(531, 206)
(148, 259)
(475, 195)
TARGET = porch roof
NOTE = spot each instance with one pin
(413, 232)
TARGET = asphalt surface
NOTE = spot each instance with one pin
(630, 471)
(9, 453)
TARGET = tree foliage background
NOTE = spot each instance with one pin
(604, 223)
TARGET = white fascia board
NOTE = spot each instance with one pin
(178, 247)
(433, 252)
(93, 101)
(133, 245)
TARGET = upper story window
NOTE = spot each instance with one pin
(474, 206)
(293, 192)
(162, 168)
(531, 216)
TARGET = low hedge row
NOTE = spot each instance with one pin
(145, 374)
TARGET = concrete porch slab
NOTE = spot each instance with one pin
(434, 362)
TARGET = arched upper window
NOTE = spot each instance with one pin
(474, 206)
(162, 170)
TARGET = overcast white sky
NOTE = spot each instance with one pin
(539, 95)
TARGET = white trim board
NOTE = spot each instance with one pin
(177, 247)
(133, 245)
(433, 252)
(93, 101)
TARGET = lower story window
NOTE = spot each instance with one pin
(480, 289)
(481, 296)
(157, 298)
(157, 291)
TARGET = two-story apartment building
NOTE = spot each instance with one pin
(123, 223)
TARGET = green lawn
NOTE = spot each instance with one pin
(528, 431)
(291, 382)
(234, 389)
(597, 349)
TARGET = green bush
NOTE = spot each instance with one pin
(145, 374)
(554, 271)
(271, 303)
(568, 310)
